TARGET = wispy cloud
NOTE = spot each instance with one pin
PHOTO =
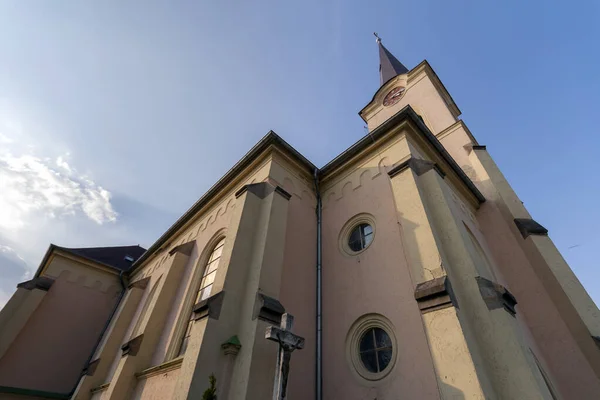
(42, 200)
(32, 186)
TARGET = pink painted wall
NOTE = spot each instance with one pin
(553, 343)
(51, 350)
(376, 281)
(298, 290)
(543, 327)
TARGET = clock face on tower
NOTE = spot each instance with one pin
(393, 96)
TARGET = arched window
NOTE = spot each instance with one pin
(485, 269)
(205, 288)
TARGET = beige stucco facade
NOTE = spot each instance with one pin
(476, 300)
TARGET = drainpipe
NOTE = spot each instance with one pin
(319, 355)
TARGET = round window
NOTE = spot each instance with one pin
(357, 234)
(375, 350)
(360, 237)
(371, 348)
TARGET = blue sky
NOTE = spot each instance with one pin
(116, 116)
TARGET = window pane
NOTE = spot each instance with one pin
(368, 238)
(354, 241)
(184, 344)
(366, 229)
(360, 237)
(216, 253)
(369, 360)
(382, 339)
(205, 293)
(212, 266)
(384, 357)
(220, 244)
(208, 279)
(186, 336)
(366, 343)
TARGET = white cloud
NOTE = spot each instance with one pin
(5, 139)
(34, 187)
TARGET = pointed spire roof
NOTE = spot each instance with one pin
(389, 66)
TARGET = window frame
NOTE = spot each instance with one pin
(194, 283)
(348, 229)
(353, 354)
(375, 349)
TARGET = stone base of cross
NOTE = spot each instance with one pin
(288, 342)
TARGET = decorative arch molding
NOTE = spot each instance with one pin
(185, 309)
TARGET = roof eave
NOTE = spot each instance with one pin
(404, 113)
(269, 139)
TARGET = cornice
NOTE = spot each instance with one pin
(160, 369)
(260, 153)
(458, 124)
(406, 120)
(417, 73)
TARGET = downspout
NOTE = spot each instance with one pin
(66, 396)
(319, 332)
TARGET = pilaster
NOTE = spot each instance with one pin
(575, 305)
(486, 309)
(454, 365)
(138, 351)
(19, 309)
(97, 370)
(248, 285)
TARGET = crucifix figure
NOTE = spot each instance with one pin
(288, 342)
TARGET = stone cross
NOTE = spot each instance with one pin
(288, 342)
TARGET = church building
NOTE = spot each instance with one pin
(411, 268)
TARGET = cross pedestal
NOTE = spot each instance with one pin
(288, 342)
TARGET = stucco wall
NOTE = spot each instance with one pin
(156, 387)
(555, 347)
(52, 348)
(298, 281)
(375, 281)
(543, 328)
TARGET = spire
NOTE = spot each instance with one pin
(389, 66)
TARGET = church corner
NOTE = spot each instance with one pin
(436, 282)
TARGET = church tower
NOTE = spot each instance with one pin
(411, 268)
(462, 245)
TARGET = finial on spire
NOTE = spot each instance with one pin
(378, 40)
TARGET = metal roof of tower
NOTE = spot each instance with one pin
(389, 66)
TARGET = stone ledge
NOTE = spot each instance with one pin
(496, 296)
(528, 226)
(210, 307)
(100, 388)
(268, 309)
(185, 249)
(139, 284)
(91, 367)
(132, 347)
(418, 166)
(262, 190)
(434, 294)
(41, 282)
(161, 368)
